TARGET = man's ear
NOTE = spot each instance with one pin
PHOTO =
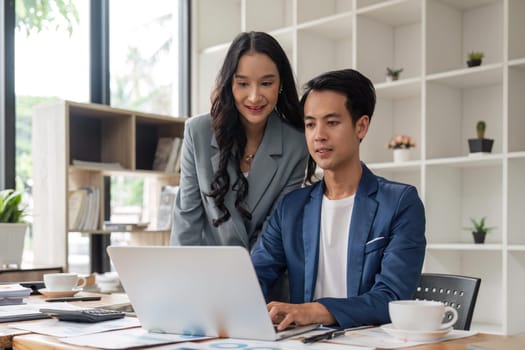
(361, 127)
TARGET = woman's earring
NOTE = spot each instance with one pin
(281, 89)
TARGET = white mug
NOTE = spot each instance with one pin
(63, 281)
(420, 315)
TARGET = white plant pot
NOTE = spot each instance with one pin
(401, 155)
(12, 237)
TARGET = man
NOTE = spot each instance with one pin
(353, 241)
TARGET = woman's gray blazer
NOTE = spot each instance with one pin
(278, 167)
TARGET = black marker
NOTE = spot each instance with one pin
(73, 299)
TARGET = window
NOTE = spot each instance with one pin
(52, 61)
(144, 75)
(144, 55)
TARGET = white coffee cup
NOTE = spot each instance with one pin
(63, 281)
(420, 315)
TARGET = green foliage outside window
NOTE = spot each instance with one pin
(36, 15)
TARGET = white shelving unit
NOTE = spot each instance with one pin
(437, 100)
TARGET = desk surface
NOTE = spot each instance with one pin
(7, 333)
(23, 340)
(43, 342)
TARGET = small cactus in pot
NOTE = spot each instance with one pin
(480, 144)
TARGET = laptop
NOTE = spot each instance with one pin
(196, 290)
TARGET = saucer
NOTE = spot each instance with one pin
(58, 293)
(407, 335)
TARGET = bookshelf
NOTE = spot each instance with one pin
(437, 101)
(107, 141)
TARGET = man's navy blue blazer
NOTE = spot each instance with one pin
(386, 248)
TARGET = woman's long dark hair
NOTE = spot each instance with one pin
(226, 121)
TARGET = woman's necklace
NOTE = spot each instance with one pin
(248, 158)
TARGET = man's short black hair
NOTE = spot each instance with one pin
(358, 89)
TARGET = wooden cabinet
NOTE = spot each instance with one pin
(108, 141)
(437, 101)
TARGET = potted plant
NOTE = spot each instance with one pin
(475, 58)
(401, 145)
(480, 144)
(478, 229)
(393, 74)
(12, 226)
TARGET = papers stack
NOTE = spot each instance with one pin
(13, 294)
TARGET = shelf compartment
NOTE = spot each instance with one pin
(455, 28)
(100, 135)
(454, 196)
(83, 178)
(453, 112)
(516, 29)
(394, 13)
(148, 130)
(398, 108)
(268, 15)
(333, 38)
(212, 15)
(516, 269)
(486, 265)
(389, 35)
(308, 10)
(401, 116)
(516, 221)
(516, 108)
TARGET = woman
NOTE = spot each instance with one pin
(238, 160)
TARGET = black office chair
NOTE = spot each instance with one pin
(459, 292)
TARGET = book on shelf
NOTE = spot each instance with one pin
(162, 153)
(76, 203)
(84, 208)
(176, 167)
(125, 226)
(167, 200)
(99, 165)
(167, 154)
(174, 155)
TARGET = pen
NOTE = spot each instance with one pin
(331, 334)
(73, 299)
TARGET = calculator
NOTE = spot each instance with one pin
(84, 315)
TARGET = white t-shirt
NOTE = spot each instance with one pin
(333, 247)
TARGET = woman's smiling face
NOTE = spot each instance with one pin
(255, 87)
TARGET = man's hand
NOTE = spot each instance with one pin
(285, 314)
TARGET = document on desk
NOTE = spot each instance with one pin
(60, 329)
(266, 345)
(378, 338)
(127, 338)
(21, 312)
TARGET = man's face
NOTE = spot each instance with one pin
(332, 139)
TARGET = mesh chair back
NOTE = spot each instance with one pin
(459, 292)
